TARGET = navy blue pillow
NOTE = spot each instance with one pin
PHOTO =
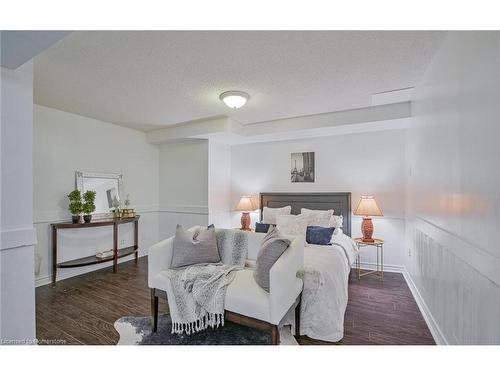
(319, 235)
(261, 227)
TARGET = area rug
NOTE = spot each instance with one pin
(137, 331)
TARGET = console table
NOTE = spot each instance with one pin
(86, 261)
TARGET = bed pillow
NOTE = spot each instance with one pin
(269, 214)
(272, 247)
(320, 218)
(188, 251)
(292, 225)
(262, 227)
(319, 235)
(336, 221)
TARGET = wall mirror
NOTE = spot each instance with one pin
(107, 187)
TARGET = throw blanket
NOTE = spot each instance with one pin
(197, 293)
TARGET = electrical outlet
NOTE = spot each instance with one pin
(122, 242)
(409, 252)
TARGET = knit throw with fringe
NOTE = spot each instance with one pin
(197, 293)
(196, 301)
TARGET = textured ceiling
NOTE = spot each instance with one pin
(158, 78)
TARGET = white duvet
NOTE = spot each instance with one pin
(324, 297)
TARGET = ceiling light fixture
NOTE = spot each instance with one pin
(234, 99)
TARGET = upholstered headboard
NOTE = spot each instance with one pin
(339, 202)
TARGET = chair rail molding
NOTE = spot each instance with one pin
(15, 238)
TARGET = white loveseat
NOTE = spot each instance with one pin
(246, 303)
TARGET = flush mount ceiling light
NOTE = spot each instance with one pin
(234, 99)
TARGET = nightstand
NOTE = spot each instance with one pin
(378, 244)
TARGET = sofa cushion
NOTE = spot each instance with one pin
(273, 245)
(245, 297)
(187, 251)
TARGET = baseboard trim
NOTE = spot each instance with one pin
(45, 280)
(436, 332)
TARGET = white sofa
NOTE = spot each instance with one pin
(246, 303)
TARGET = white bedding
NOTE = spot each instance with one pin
(324, 297)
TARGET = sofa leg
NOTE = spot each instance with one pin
(154, 309)
(297, 318)
(275, 335)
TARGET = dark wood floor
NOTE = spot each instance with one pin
(82, 310)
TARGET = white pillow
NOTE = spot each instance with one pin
(269, 214)
(292, 225)
(336, 221)
(320, 218)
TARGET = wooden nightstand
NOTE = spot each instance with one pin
(379, 245)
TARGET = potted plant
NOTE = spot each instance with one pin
(75, 205)
(88, 205)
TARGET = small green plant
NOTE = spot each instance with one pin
(75, 202)
(89, 199)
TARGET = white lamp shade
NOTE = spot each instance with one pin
(245, 204)
(367, 207)
(234, 99)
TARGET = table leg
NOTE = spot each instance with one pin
(358, 264)
(136, 240)
(115, 247)
(378, 261)
(54, 255)
(382, 261)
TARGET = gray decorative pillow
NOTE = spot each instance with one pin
(272, 247)
(188, 251)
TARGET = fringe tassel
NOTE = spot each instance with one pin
(209, 320)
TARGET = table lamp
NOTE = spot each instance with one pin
(246, 205)
(367, 207)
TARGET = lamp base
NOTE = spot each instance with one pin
(245, 221)
(367, 229)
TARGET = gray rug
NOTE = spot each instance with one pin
(137, 331)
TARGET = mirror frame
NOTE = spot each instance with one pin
(79, 176)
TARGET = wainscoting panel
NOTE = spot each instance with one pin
(462, 299)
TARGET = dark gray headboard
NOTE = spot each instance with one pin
(339, 202)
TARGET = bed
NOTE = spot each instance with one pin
(326, 268)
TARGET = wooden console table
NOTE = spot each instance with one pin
(86, 261)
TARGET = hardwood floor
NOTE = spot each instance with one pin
(83, 309)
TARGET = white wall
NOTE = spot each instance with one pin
(64, 143)
(17, 294)
(365, 163)
(219, 184)
(183, 185)
(453, 195)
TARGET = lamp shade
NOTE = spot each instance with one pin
(367, 207)
(245, 204)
